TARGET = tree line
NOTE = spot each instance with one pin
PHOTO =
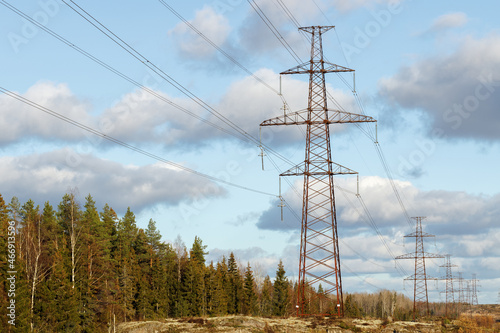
(79, 269)
(82, 270)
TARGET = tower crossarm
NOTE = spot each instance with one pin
(333, 117)
(419, 277)
(420, 234)
(420, 255)
(336, 169)
(327, 67)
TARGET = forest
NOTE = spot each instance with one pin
(79, 269)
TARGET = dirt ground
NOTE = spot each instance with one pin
(244, 324)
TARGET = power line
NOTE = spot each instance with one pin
(137, 55)
(118, 73)
(218, 48)
(274, 30)
(124, 144)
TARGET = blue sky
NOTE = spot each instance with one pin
(428, 72)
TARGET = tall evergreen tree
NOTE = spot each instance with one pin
(50, 239)
(108, 295)
(221, 298)
(234, 286)
(210, 289)
(126, 261)
(249, 306)
(143, 302)
(198, 250)
(280, 292)
(266, 297)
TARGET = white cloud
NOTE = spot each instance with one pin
(213, 25)
(20, 121)
(249, 102)
(349, 5)
(255, 36)
(459, 92)
(48, 176)
(464, 224)
(451, 20)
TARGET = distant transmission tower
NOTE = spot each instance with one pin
(450, 295)
(462, 300)
(473, 290)
(319, 261)
(419, 278)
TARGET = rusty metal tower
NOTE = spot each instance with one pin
(419, 278)
(319, 261)
(450, 295)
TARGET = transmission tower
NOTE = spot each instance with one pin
(473, 290)
(450, 295)
(462, 300)
(319, 261)
(419, 278)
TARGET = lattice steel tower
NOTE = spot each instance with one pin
(473, 287)
(450, 294)
(319, 261)
(419, 278)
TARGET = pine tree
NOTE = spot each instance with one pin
(280, 292)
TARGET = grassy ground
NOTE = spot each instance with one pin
(483, 318)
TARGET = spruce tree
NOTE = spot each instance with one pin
(109, 290)
(249, 306)
(198, 250)
(266, 298)
(280, 292)
(143, 302)
(210, 289)
(234, 286)
(126, 261)
(221, 297)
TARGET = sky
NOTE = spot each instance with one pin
(428, 72)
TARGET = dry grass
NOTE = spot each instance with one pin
(477, 323)
(473, 322)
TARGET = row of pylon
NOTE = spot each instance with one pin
(467, 294)
(319, 260)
